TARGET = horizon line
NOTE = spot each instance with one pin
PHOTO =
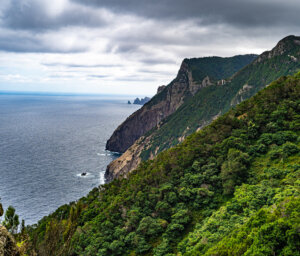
(49, 93)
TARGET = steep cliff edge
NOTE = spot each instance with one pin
(193, 75)
(208, 103)
(162, 105)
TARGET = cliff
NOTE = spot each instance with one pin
(162, 105)
(231, 188)
(193, 75)
(207, 104)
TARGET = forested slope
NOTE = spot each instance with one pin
(211, 101)
(230, 189)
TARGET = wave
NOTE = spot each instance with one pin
(101, 154)
(87, 175)
(109, 153)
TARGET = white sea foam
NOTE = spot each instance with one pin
(101, 177)
(88, 175)
(101, 154)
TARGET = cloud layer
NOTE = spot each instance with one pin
(113, 46)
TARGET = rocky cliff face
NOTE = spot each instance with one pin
(283, 59)
(285, 45)
(8, 246)
(151, 114)
(168, 99)
(127, 162)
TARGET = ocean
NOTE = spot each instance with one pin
(46, 142)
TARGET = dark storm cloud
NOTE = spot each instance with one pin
(234, 12)
(33, 15)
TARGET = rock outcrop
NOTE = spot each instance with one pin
(126, 162)
(193, 75)
(159, 107)
(141, 101)
(206, 105)
(282, 47)
(8, 246)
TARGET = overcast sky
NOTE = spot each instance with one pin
(128, 46)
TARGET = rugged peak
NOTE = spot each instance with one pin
(290, 38)
(284, 47)
(286, 44)
(193, 75)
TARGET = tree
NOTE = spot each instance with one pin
(23, 227)
(1, 210)
(234, 170)
(149, 226)
(11, 220)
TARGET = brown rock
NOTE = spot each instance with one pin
(166, 102)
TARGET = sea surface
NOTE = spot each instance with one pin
(46, 142)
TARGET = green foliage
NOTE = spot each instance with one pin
(234, 170)
(220, 192)
(270, 231)
(1, 210)
(11, 220)
(215, 67)
(212, 101)
(23, 229)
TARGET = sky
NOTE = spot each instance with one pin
(128, 46)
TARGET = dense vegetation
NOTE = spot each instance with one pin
(216, 67)
(229, 189)
(209, 102)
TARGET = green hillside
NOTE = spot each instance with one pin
(214, 100)
(216, 67)
(230, 189)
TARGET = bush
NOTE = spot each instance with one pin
(290, 149)
(149, 227)
(234, 170)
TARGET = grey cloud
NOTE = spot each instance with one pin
(127, 47)
(32, 15)
(235, 12)
(70, 65)
(156, 60)
(14, 42)
(155, 72)
(152, 34)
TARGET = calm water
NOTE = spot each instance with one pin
(46, 142)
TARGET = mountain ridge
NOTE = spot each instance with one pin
(198, 112)
(171, 97)
(231, 188)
